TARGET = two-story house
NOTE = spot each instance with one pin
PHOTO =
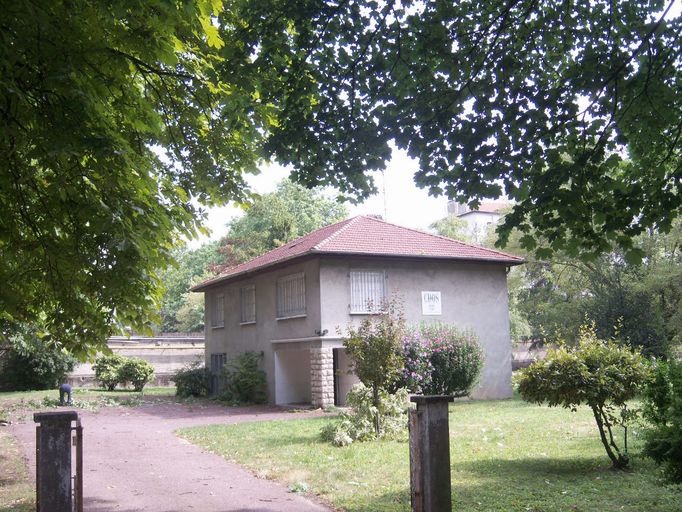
(292, 302)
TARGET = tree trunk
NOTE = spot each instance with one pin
(616, 459)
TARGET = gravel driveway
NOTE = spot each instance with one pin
(133, 462)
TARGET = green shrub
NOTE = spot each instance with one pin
(192, 380)
(106, 370)
(602, 374)
(135, 371)
(245, 382)
(440, 359)
(663, 408)
(358, 424)
(374, 350)
(31, 364)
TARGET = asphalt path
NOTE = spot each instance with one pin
(133, 462)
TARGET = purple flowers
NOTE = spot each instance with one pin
(440, 359)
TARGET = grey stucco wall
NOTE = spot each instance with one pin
(474, 295)
(235, 338)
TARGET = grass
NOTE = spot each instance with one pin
(17, 494)
(506, 456)
(15, 396)
(14, 405)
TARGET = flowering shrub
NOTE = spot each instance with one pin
(416, 350)
(441, 359)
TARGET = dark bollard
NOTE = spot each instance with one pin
(53, 461)
(430, 454)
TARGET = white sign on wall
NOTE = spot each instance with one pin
(431, 304)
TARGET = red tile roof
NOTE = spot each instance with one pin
(367, 236)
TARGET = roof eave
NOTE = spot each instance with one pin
(221, 280)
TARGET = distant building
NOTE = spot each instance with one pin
(481, 220)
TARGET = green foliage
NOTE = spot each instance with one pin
(358, 424)
(553, 297)
(663, 409)
(273, 219)
(601, 374)
(113, 369)
(31, 363)
(441, 359)
(182, 311)
(374, 350)
(579, 127)
(245, 382)
(192, 380)
(190, 316)
(117, 119)
(135, 371)
(107, 370)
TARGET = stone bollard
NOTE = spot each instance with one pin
(430, 485)
(53, 461)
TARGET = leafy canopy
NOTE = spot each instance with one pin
(276, 218)
(643, 300)
(117, 115)
(571, 109)
(373, 347)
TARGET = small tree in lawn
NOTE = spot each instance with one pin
(601, 374)
(374, 350)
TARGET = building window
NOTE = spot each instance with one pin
(217, 363)
(367, 291)
(291, 296)
(248, 300)
(218, 317)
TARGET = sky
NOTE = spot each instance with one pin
(406, 204)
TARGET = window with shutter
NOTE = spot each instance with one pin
(367, 291)
(248, 304)
(218, 316)
(291, 296)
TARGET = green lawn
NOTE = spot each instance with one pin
(506, 456)
(13, 403)
(17, 494)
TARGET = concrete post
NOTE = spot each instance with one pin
(53, 461)
(430, 454)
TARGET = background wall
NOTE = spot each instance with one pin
(167, 353)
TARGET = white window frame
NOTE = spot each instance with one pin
(218, 312)
(362, 282)
(290, 296)
(247, 296)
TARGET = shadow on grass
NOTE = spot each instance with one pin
(530, 468)
(530, 485)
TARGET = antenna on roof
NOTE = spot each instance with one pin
(383, 191)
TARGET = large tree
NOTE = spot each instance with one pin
(638, 303)
(571, 109)
(115, 115)
(275, 218)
